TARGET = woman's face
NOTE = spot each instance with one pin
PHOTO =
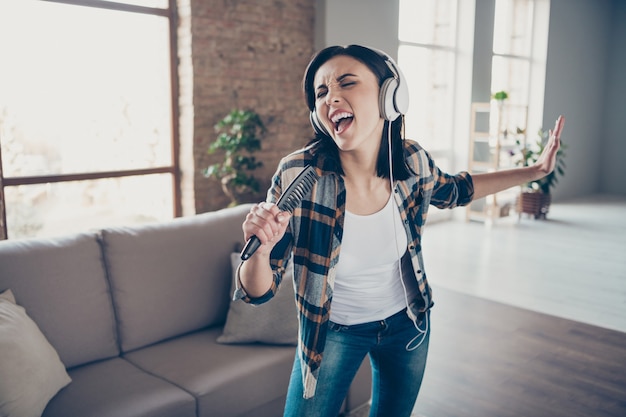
(346, 102)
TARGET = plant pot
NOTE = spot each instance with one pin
(534, 203)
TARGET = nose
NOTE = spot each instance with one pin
(332, 96)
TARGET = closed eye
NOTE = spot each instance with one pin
(345, 80)
(322, 92)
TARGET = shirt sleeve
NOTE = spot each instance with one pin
(278, 257)
(241, 294)
(450, 191)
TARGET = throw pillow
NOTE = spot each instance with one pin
(31, 372)
(273, 322)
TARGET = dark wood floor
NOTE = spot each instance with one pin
(489, 359)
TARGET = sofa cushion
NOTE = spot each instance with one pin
(30, 370)
(171, 278)
(228, 380)
(62, 285)
(273, 322)
(116, 388)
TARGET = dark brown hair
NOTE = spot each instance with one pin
(375, 61)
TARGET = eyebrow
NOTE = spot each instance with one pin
(339, 79)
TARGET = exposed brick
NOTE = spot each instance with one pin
(246, 54)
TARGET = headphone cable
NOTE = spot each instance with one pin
(421, 333)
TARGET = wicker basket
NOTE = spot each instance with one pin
(534, 203)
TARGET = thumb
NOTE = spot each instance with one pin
(283, 217)
(283, 220)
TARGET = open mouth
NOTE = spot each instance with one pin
(341, 121)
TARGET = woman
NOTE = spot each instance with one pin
(360, 284)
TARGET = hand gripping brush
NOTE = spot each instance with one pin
(288, 201)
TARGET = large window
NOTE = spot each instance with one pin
(438, 42)
(512, 48)
(87, 122)
(427, 34)
(520, 37)
(434, 45)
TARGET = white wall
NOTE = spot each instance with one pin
(613, 174)
(577, 68)
(483, 49)
(372, 23)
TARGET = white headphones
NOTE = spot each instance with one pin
(393, 99)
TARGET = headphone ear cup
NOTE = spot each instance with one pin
(394, 93)
(318, 127)
(401, 99)
(386, 99)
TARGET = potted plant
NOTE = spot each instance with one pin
(535, 197)
(500, 96)
(239, 136)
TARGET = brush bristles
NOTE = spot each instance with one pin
(296, 191)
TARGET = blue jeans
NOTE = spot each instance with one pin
(397, 352)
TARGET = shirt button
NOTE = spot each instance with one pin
(419, 271)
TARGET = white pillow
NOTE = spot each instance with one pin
(273, 322)
(31, 372)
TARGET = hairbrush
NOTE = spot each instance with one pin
(288, 201)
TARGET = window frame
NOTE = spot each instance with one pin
(453, 151)
(173, 168)
(534, 58)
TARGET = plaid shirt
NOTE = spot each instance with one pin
(314, 236)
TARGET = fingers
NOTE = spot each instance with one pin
(558, 127)
(547, 159)
(554, 135)
(266, 221)
(259, 222)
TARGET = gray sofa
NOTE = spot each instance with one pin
(134, 314)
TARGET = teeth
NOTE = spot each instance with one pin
(341, 115)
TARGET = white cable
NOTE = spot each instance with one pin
(421, 333)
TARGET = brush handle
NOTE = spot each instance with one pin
(251, 246)
(288, 201)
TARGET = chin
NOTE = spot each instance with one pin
(345, 146)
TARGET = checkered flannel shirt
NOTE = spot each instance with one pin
(314, 237)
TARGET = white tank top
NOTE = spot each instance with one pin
(367, 281)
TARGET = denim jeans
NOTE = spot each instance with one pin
(397, 352)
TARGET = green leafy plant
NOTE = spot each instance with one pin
(500, 95)
(239, 136)
(529, 154)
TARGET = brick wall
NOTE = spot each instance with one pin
(248, 54)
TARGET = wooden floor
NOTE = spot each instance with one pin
(572, 265)
(489, 359)
(529, 316)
